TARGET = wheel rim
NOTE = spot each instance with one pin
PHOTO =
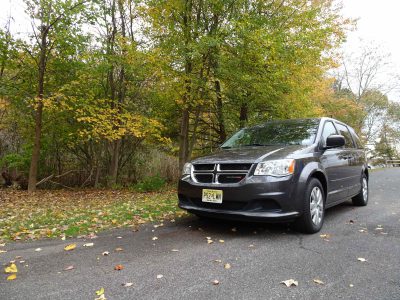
(365, 189)
(316, 205)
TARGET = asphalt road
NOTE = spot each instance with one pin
(261, 256)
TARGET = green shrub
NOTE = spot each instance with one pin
(150, 184)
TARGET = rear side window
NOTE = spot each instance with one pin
(329, 129)
(347, 136)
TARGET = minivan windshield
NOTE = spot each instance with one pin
(285, 132)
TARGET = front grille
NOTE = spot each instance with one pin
(204, 178)
(204, 167)
(230, 178)
(220, 173)
(234, 167)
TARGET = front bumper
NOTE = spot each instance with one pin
(256, 198)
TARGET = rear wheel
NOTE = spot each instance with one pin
(361, 199)
(313, 215)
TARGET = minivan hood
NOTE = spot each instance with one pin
(251, 154)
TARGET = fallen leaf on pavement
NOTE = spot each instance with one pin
(361, 259)
(92, 236)
(101, 295)
(221, 241)
(119, 249)
(3, 251)
(127, 284)
(227, 266)
(105, 253)
(70, 247)
(290, 282)
(119, 237)
(208, 238)
(119, 267)
(319, 281)
(351, 285)
(154, 238)
(38, 249)
(2, 245)
(12, 268)
(69, 268)
(175, 250)
(362, 230)
(12, 277)
(215, 282)
(218, 261)
(325, 236)
(159, 276)
(88, 245)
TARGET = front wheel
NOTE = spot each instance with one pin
(361, 199)
(313, 215)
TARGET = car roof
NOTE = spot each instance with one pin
(321, 120)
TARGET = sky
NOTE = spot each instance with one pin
(378, 23)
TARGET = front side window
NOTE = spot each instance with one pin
(357, 140)
(329, 129)
(347, 137)
(288, 132)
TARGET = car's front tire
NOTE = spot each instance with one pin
(361, 199)
(312, 219)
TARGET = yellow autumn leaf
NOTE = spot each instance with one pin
(12, 277)
(12, 268)
(70, 247)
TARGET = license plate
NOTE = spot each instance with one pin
(212, 196)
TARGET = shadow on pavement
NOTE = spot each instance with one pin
(214, 227)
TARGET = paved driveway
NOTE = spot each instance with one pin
(260, 257)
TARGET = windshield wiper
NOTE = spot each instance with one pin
(254, 144)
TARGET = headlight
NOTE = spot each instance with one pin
(187, 169)
(281, 167)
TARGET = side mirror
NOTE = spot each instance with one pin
(335, 141)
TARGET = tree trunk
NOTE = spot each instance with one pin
(184, 131)
(220, 115)
(184, 138)
(243, 115)
(114, 165)
(116, 145)
(39, 112)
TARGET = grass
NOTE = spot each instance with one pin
(50, 214)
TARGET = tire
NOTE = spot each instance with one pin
(312, 219)
(361, 199)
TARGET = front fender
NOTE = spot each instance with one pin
(312, 168)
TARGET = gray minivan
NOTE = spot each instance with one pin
(286, 170)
